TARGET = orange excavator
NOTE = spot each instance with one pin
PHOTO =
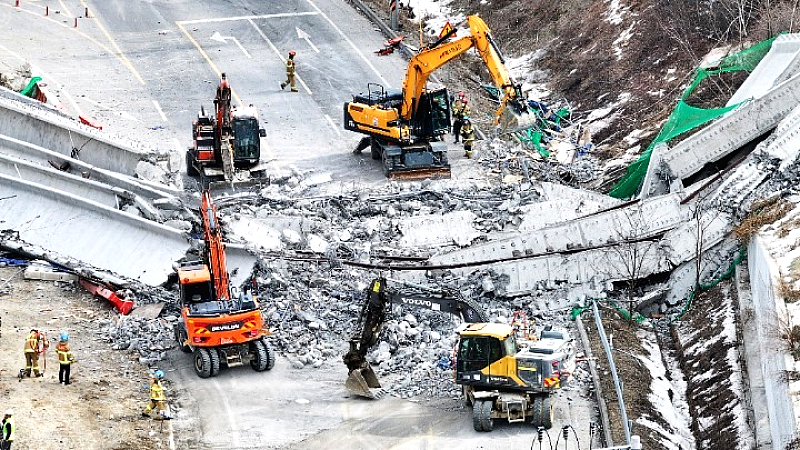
(219, 325)
(226, 145)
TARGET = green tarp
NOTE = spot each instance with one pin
(30, 89)
(686, 117)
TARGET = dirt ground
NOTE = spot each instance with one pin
(108, 388)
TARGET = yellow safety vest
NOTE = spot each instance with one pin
(156, 391)
(10, 424)
(289, 67)
(32, 343)
(64, 354)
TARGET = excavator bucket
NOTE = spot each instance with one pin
(513, 117)
(364, 383)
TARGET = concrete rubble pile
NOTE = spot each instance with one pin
(512, 163)
(312, 296)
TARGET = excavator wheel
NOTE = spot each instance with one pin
(214, 355)
(260, 358)
(486, 415)
(547, 413)
(270, 355)
(536, 417)
(375, 149)
(202, 362)
(477, 423)
(180, 337)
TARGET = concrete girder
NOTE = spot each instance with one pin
(732, 131)
(37, 154)
(641, 220)
(32, 122)
(87, 231)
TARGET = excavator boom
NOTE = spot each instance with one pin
(442, 51)
(215, 248)
(361, 379)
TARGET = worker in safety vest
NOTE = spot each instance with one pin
(468, 136)
(290, 67)
(65, 359)
(459, 113)
(157, 398)
(35, 344)
(7, 430)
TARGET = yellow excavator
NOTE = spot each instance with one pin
(500, 377)
(404, 128)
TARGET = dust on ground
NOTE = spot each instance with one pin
(101, 408)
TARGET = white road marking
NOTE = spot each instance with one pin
(230, 19)
(305, 36)
(280, 55)
(220, 38)
(160, 112)
(333, 125)
(234, 436)
(357, 50)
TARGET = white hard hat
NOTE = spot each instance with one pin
(9, 412)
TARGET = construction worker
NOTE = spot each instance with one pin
(157, 398)
(467, 136)
(35, 344)
(459, 113)
(7, 430)
(223, 98)
(65, 358)
(290, 72)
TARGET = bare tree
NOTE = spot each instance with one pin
(633, 255)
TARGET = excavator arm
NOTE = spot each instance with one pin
(361, 379)
(441, 52)
(215, 248)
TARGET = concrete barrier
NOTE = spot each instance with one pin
(767, 358)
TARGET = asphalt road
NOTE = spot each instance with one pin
(182, 47)
(309, 409)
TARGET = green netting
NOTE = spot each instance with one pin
(706, 286)
(624, 313)
(686, 117)
(30, 89)
(533, 139)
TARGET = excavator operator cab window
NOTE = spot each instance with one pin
(246, 145)
(432, 117)
(477, 352)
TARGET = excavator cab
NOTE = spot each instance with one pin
(432, 117)
(246, 136)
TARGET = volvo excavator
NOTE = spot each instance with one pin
(227, 142)
(404, 128)
(500, 377)
(219, 325)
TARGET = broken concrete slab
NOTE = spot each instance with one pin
(440, 230)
